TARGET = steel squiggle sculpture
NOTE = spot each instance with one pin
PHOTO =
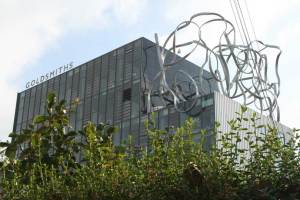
(241, 70)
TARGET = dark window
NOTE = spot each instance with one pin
(37, 100)
(87, 109)
(125, 130)
(79, 112)
(44, 96)
(173, 117)
(118, 104)
(69, 87)
(207, 119)
(104, 73)
(136, 69)
(135, 99)
(127, 94)
(142, 127)
(134, 130)
(102, 107)
(95, 101)
(75, 84)
(183, 118)
(111, 70)
(89, 80)
(163, 119)
(119, 70)
(110, 106)
(62, 86)
(31, 104)
(50, 85)
(56, 85)
(97, 70)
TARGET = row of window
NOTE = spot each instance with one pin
(166, 119)
(92, 83)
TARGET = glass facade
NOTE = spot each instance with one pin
(110, 89)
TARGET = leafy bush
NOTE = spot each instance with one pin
(47, 162)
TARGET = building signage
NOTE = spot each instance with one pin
(50, 75)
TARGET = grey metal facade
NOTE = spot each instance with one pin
(111, 89)
(225, 109)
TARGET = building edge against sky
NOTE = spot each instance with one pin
(112, 88)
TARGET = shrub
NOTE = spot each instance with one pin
(47, 162)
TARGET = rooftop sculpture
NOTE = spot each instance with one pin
(242, 71)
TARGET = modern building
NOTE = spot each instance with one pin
(112, 88)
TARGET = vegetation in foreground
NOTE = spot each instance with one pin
(40, 163)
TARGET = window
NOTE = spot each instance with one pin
(183, 118)
(44, 96)
(125, 130)
(79, 112)
(37, 100)
(135, 130)
(119, 69)
(75, 86)
(102, 107)
(207, 101)
(110, 105)
(111, 70)
(31, 103)
(163, 119)
(135, 99)
(118, 104)
(127, 95)
(104, 73)
(173, 117)
(97, 70)
(136, 69)
(62, 87)
(89, 79)
(87, 109)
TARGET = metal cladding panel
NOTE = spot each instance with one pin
(225, 110)
(16, 113)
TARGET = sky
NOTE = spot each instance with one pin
(37, 36)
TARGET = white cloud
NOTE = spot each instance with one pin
(128, 11)
(264, 14)
(28, 28)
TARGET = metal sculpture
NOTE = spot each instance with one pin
(241, 70)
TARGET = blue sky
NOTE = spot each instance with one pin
(39, 36)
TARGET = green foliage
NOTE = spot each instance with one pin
(41, 162)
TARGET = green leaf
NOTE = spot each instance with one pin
(243, 109)
(51, 99)
(62, 102)
(13, 135)
(39, 119)
(111, 130)
(35, 139)
(10, 151)
(4, 144)
(100, 126)
(260, 126)
(70, 135)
